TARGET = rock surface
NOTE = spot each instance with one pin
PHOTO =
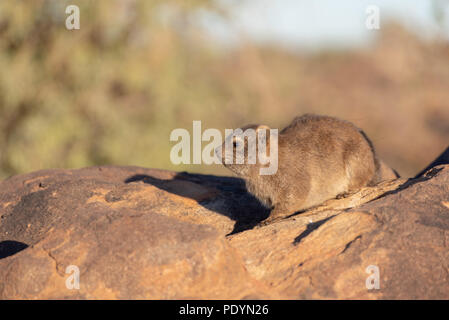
(138, 233)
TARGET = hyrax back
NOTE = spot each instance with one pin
(319, 157)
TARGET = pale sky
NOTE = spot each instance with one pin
(320, 23)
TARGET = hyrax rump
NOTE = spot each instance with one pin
(319, 158)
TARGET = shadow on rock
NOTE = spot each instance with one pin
(9, 248)
(310, 228)
(429, 174)
(233, 200)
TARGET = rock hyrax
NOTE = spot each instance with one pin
(319, 158)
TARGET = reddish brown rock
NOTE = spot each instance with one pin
(405, 234)
(129, 240)
(138, 233)
(129, 255)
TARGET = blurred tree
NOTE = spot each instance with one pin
(111, 92)
(106, 93)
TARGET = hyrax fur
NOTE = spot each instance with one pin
(319, 158)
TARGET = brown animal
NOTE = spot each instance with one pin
(319, 158)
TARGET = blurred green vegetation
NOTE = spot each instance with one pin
(107, 93)
(111, 92)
